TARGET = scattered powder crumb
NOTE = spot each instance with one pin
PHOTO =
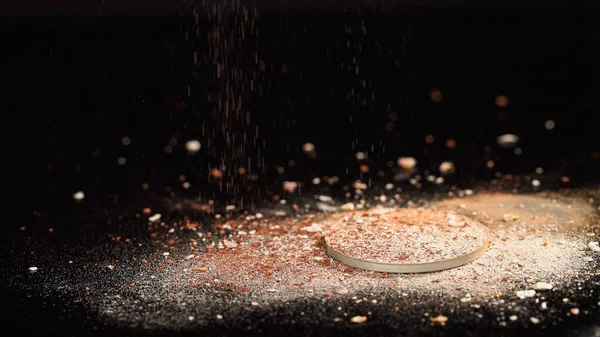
(358, 319)
(347, 207)
(155, 217)
(594, 246)
(439, 319)
(522, 294)
(313, 228)
(575, 311)
(534, 320)
(542, 286)
(280, 260)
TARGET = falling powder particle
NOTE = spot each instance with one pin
(192, 146)
(534, 320)
(308, 148)
(407, 163)
(513, 318)
(450, 143)
(549, 125)
(535, 183)
(447, 168)
(436, 95)
(507, 140)
(125, 141)
(219, 316)
(290, 186)
(33, 269)
(121, 160)
(575, 311)
(501, 101)
(78, 195)
(358, 319)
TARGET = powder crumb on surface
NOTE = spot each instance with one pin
(280, 263)
(358, 319)
(439, 319)
(542, 286)
(522, 294)
(155, 217)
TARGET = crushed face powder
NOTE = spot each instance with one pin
(260, 261)
(406, 235)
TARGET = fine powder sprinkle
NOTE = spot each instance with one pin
(265, 261)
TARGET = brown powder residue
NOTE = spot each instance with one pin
(284, 258)
(279, 259)
(501, 210)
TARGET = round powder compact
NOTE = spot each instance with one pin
(406, 240)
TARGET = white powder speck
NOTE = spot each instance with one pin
(193, 146)
(542, 286)
(78, 195)
(522, 294)
(313, 228)
(155, 217)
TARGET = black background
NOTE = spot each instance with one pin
(75, 84)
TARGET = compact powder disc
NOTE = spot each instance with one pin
(406, 240)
